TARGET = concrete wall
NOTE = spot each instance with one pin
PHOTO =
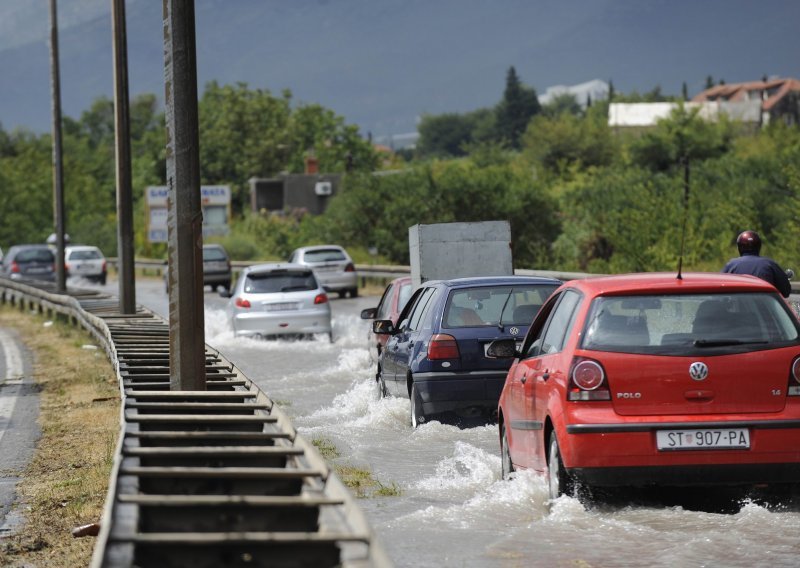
(455, 250)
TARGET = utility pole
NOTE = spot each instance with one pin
(184, 216)
(58, 170)
(122, 138)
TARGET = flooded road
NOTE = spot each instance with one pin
(453, 510)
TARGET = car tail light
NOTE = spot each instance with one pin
(321, 299)
(104, 266)
(14, 267)
(442, 346)
(349, 267)
(587, 381)
(242, 303)
(794, 379)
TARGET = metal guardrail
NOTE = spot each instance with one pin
(205, 478)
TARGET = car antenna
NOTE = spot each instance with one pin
(503, 309)
(685, 160)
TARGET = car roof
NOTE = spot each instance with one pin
(81, 247)
(668, 282)
(494, 281)
(320, 247)
(270, 266)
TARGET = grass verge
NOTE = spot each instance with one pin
(65, 484)
(358, 479)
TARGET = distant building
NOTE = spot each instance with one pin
(307, 193)
(584, 93)
(779, 99)
(641, 116)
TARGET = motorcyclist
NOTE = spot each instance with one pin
(750, 262)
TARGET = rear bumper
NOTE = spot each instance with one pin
(461, 391)
(626, 455)
(335, 281)
(250, 324)
(216, 277)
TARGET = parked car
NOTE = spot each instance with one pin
(216, 267)
(394, 299)
(279, 299)
(85, 262)
(332, 265)
(217, 271)
(655, 380)
(436, 356)
(34, 261)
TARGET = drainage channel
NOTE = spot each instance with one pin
(216, 477)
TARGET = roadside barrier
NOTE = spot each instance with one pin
(209, 478)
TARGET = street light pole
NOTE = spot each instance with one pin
(184, 213)
(58, 170)
(122, 138)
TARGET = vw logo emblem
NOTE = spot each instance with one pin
(513, 331)
(698, 370)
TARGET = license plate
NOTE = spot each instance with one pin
(705, 439)
(38, 269)
(280, 307)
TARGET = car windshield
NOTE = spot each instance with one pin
(85, 255)
(279, 281)
(35, 255)
(495, 305)
(326, 255)
(689, 324)
(213, 254)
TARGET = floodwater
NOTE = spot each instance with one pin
(453, 510)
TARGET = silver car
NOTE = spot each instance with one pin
(279, 299)
(332, 265)
(85, 262)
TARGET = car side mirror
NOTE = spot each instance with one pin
(789, 273)
(502, 349)
(225, 293)
(383, 327)
(369, 313)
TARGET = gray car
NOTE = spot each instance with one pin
(332, 265)
(278, 299)
(37, 262)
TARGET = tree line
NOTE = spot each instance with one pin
(579, 196)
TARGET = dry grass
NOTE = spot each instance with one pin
(65, 484)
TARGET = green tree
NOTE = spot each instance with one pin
(565, 141)
(518, 106)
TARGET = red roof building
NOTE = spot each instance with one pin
(780, 98)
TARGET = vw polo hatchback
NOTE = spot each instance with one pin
(654, 380)
(436, 355)
(278, 299)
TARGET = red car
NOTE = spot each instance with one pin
(654, 380)
(392, 302)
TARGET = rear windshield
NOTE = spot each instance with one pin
(85, 255)
(689, 324)
(485, 305)
(35, 255)
(326, 255)
(214, 254)
(280, 281)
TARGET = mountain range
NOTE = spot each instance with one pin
(381, 64)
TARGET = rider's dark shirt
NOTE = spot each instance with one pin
(763, 267)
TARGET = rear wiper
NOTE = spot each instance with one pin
(723, 342)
